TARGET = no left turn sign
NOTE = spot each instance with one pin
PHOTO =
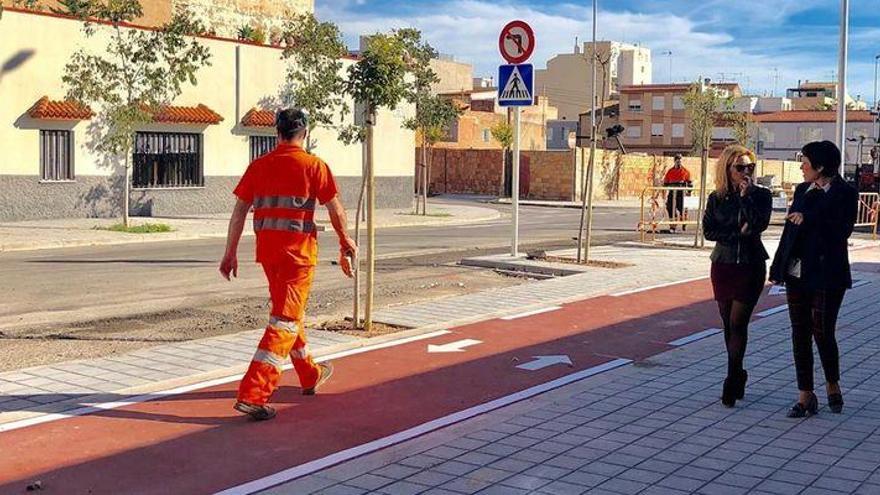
(517, 42)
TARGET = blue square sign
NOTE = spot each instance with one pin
(515, 85)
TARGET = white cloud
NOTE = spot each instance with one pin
(702, 41)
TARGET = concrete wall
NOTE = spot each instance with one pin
(32, 41)
(454, 76)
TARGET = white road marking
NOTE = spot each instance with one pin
(773, 311)
(531, 313)
(457, 346)
(695, 337)
(416, 431)
(104, 406)
(542, 362)
(658, 286)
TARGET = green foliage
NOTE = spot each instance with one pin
(314, 73)
(246, 33)
(503, 133)
(378, 79)
(703, 104)
(75, 8)
(137, 72)
(259, 35)
(433, 116)
(147, 228)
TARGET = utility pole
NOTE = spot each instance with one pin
(841, 84)
(587, 203)
(775, 80)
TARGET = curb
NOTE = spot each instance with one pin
(150, 238)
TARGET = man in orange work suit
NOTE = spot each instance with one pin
(677, 176)
(284, 186)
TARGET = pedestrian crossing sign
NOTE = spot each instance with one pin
(515, 84)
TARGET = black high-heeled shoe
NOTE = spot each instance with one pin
(728, 393)
(741, 385)
(835, 403)
(811, 408)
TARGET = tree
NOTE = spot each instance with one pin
(433, 116)
(502, 132)
(134, 75)
(75, 8)
(702, 104)
(315, 80)
(743, 127)
(379, 79)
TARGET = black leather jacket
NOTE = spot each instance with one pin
(724, 221)
(820, 242)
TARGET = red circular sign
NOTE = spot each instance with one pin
(517, 42)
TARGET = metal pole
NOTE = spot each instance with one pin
(514, 192)
(876, 59)
(587, 205)
(841, 82)
(371, 216)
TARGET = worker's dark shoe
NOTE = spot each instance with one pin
(326, 373)
(258, 413)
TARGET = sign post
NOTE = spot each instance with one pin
(515, 89)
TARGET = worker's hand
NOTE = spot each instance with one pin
(229, 265)
(796, 218)
(348, 246)
(347, 262)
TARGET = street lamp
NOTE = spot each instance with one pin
(876, 60)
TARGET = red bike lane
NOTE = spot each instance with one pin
(195, 443)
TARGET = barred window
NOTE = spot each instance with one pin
(56, 155)
(167, 159)
(260, 145)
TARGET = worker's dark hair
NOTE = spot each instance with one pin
(824, 155)
(290, 123)
(677, 156)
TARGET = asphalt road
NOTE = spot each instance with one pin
(77, 284)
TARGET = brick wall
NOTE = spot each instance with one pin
(558, 176)
(464, 171)
(551, 175)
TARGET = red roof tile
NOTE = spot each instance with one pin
(258, 118)
(813, 116)
(46, 109)
(187, 115)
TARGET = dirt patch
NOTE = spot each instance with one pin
(344, 326)
(591, 263)
(398, 282)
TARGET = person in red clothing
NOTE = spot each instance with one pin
(677, 176)
(283, 187)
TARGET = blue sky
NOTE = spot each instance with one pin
(796, 39)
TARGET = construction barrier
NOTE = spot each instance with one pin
(869, 205)
(653, 212)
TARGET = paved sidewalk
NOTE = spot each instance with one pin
(656, 427)
(70, 232)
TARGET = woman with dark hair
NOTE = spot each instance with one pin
(737, 212)
(813, 263)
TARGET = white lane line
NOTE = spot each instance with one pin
(861, 283)
(658, 286)
(367, 448)
(695, 337)
(104, 406)
(773, 311)
(532, 313)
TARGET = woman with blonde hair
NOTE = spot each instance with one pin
(737, 212)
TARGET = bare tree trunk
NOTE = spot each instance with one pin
(126, 191)
(424, 176)
(356, 317)
(371, 217)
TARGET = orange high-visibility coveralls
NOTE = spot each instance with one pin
(284, 187)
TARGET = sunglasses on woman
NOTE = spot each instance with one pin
(742, 168)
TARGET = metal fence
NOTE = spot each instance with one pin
(869, 205)
(653, 213)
